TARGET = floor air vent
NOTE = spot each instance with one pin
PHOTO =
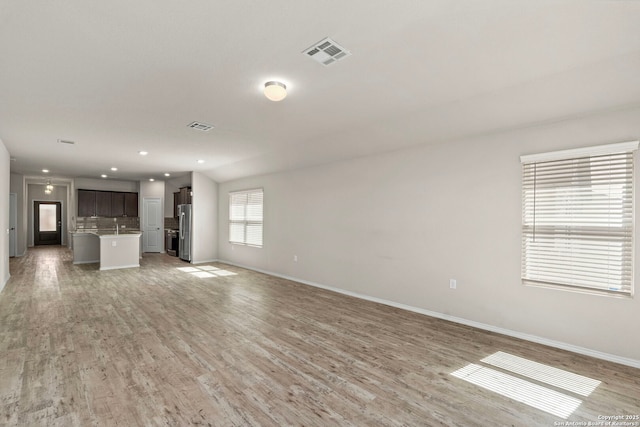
(200, 126)
(326, 52)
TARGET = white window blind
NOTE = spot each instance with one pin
(245, 217)
(577, 219)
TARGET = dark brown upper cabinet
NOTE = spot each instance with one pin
(103, 203)
(117, 204)
(107, 203)
(131, 204)
(182, 197)
(86, 203)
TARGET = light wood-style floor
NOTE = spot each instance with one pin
(160, 346)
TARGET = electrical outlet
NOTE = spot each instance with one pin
(114, 243)
(295, 258)
(453, 283)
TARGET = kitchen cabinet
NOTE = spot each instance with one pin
(185, 196)
(86, 203)
(108, 204)
(182, 197)
(117, 204)
(131, 204)
(103, 203)
(176, 202)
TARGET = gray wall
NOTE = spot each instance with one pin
(398, 226)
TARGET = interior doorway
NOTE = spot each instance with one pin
(47, 224)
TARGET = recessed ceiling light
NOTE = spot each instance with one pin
(167, 174)
(143, 153)
(200, 161)
(103, 176)
(114, 169)
(275, 91)
(45, 170)
(151, 179)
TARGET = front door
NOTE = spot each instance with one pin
(47, 223)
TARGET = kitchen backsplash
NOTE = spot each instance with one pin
(171, 223)
(130, 222)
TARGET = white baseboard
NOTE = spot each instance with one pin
(86, 262)
(4, 282)
(208, 260)
(119, 267)
(503, 331)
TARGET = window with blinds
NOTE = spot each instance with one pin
(245, 217)
(577, 219)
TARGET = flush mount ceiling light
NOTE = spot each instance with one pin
(45, 170)
(103, 176)
(275, 91)
(200, 161)
(167, 174)
(114, 169)
(143, 153)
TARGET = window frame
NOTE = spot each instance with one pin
(245, 221)
(574, 233)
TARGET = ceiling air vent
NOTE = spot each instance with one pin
(66, 141)
(326, 52)
(200, 126)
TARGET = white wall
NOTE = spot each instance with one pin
(398, 226)
(105, 185)
(17, 185)
(4, 219)
(205, 218)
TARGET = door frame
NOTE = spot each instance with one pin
(13, 224)
(35, 216)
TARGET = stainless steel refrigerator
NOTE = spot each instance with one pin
(184, 247)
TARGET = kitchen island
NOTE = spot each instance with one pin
(111, 250)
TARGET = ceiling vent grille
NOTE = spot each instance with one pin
(66, 141)
(326, 52)
(200, 126)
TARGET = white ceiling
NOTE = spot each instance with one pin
(119, 76)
